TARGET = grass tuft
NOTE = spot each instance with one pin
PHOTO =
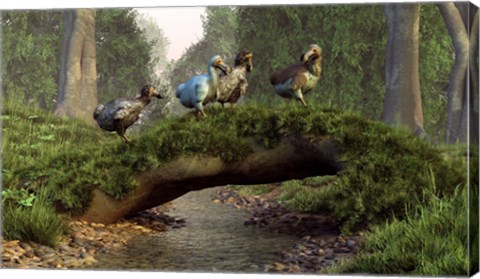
(430, 241)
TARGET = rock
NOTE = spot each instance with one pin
(79, 242)
(39, 253)
(47, 256)
(180, 220)
(29, 254)
(54, 262)
(25, 246)
(7, 256)
(306, 238)
(328, 262)
(351, 243)
(329, 257)
(279, 266)
(341, 250)
(267, 267)
(299, 247)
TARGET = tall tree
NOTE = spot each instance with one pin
(403, 104)
(462, 24)
(77, 92)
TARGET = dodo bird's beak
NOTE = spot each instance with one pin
(249, 62)
(224, 68)
(156, 94)
(314, 52)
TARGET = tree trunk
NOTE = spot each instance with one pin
(1, 69)
(474, 101)
(403, 104)
(462, 93)
(77, 90)
(293, 158)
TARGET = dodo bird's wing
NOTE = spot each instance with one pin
(125, 108)
(295, 70)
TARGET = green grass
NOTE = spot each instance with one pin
(430, 241)
(39, 223)
(253, 190)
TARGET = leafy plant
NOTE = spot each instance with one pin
(20, 197)
(38, 222)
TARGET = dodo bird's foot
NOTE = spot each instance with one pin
(303, 103)
(201, 114)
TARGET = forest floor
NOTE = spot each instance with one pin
(319, 242)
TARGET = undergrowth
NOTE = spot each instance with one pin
(432, 240)
(38, 222)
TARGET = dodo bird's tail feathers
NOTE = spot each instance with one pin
(98, 111)
(179, 90)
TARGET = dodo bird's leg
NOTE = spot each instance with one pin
(199, 107)
(299, 96)
(121, 132)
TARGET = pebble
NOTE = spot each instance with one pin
(320, 243)
(86, 240)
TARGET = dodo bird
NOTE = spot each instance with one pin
(121, 113)
(202, 89)
(234, 85)
(298, 79)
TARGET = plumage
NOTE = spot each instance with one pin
(121, 113)
(299, 79)
(202, 89)
(234, 85)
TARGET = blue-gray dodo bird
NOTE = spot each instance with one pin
(298, 79)
(202, 89)
(121, 113)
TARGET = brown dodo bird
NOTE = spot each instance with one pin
(234, 85)
(121, 113)
(298, 79)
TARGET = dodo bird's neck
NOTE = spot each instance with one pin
(213, 75)
(145, 100)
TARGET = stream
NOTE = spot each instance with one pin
(213, 240)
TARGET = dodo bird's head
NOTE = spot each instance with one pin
(244, 58)
(217, 63)
(314, 52)
(149, 91)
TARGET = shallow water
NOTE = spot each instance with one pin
(214, 239)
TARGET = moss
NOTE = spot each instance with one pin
(381, 162)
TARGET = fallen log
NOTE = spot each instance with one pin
(293, 158)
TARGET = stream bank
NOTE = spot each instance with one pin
(213, 230)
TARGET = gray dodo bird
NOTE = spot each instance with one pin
(234, 85)
(298, 79)
(121, 113)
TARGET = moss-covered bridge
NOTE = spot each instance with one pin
(92, 175)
